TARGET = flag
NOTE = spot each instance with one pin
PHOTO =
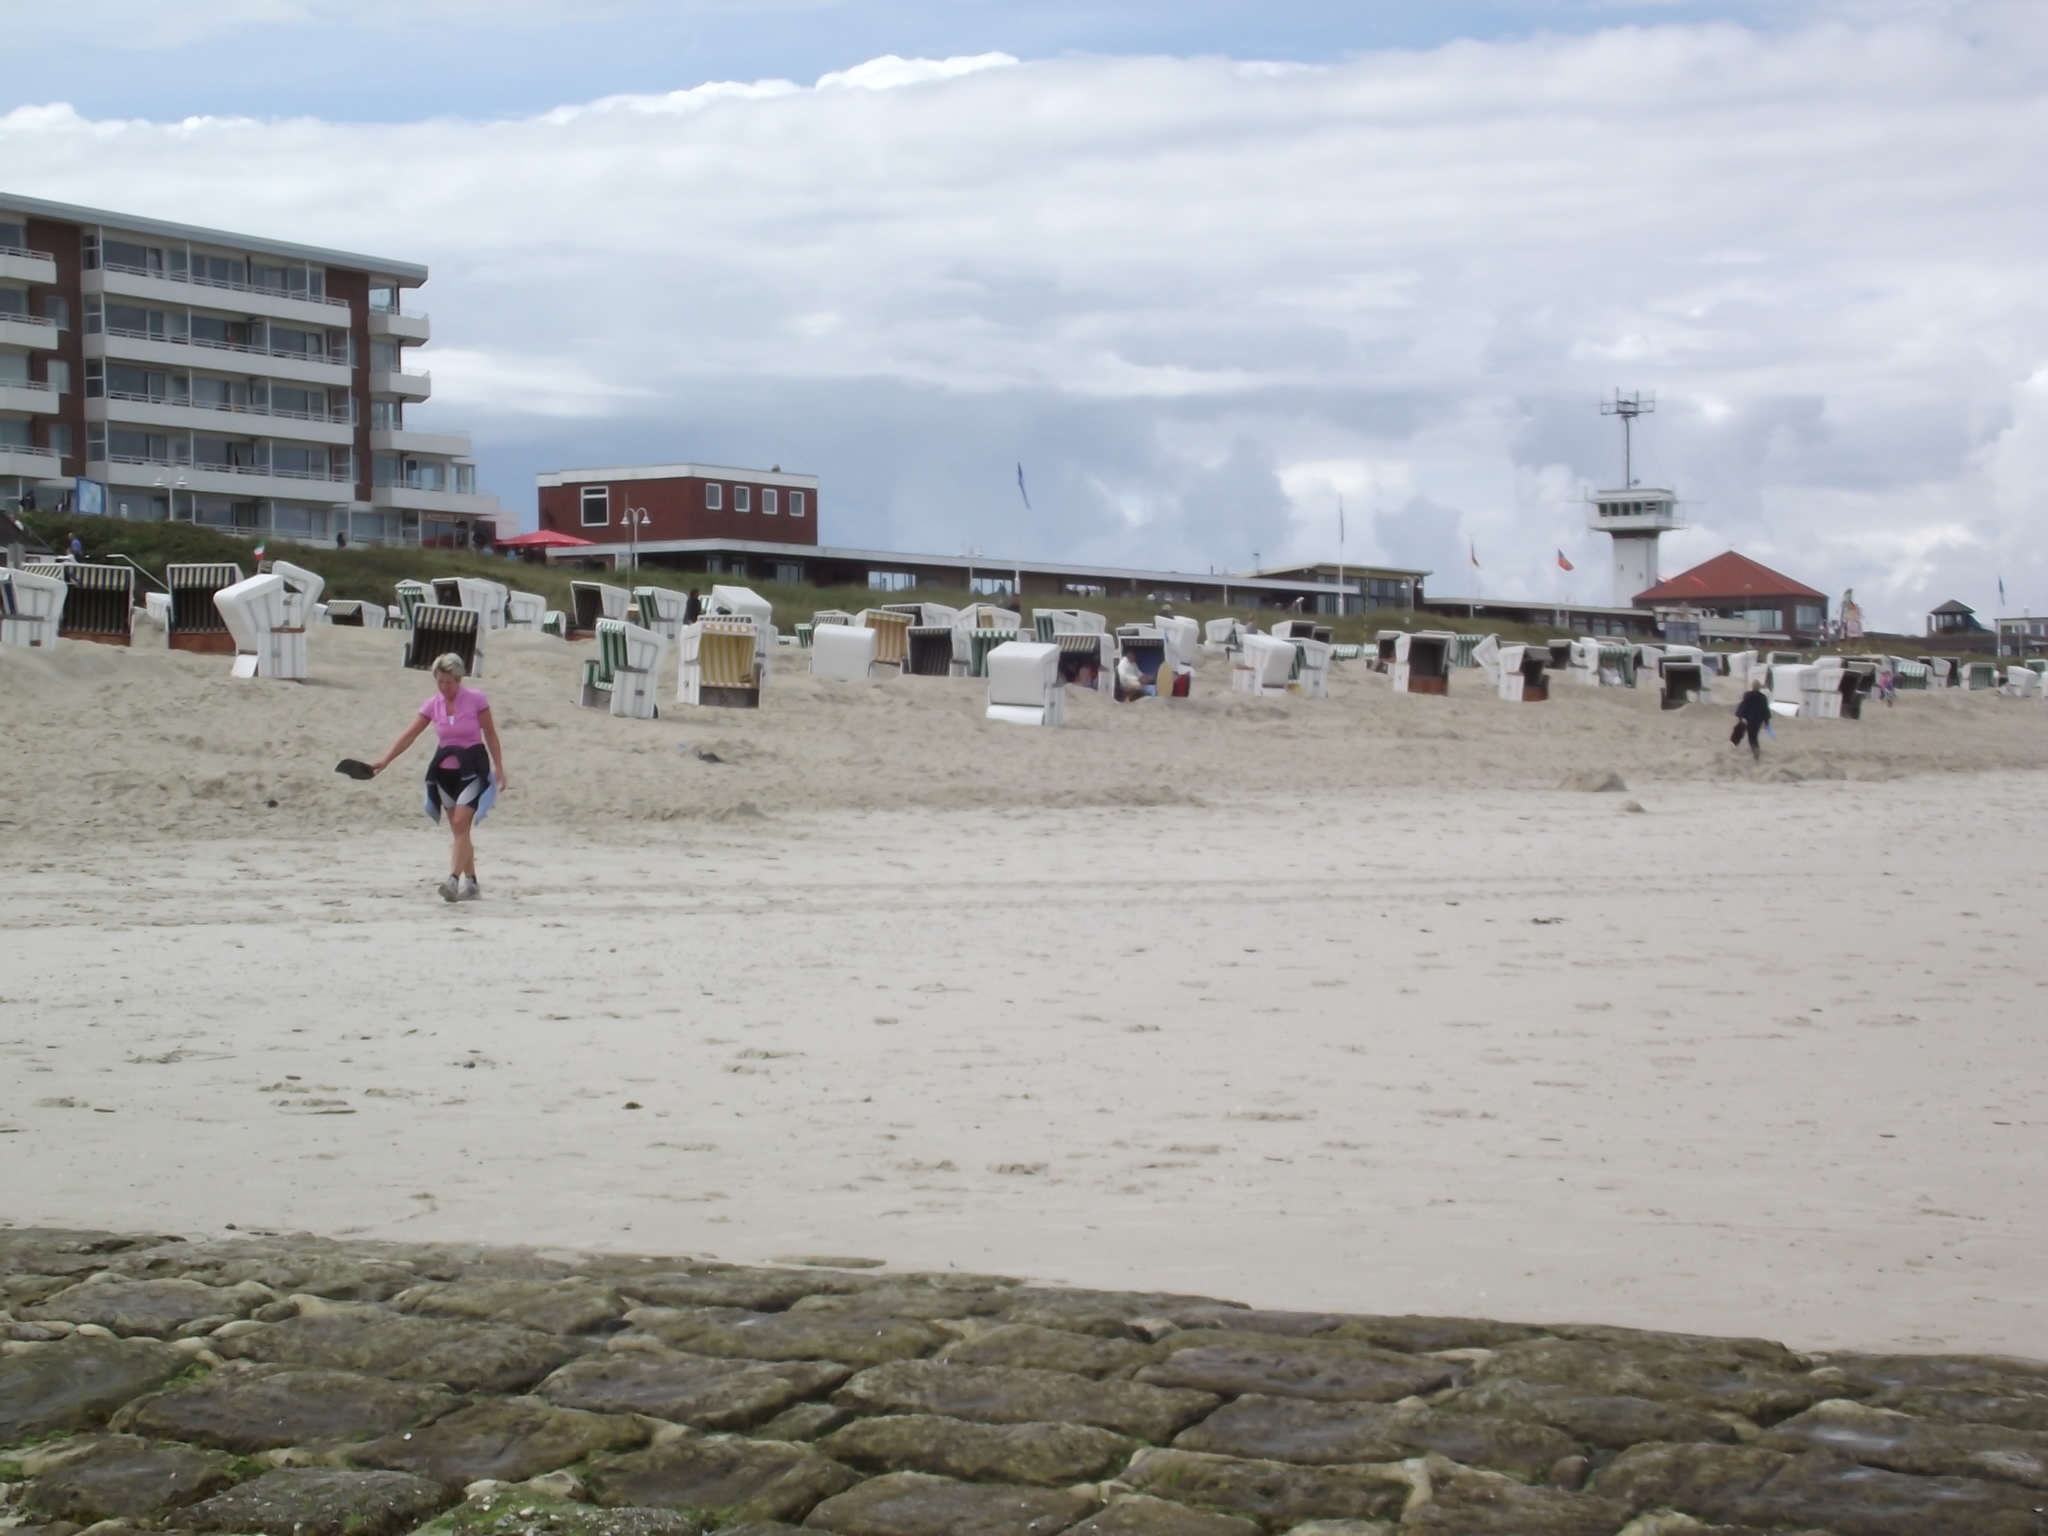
(259, 551)
(1562, 563)
(1475, 555)
(1020, 488)
(2001, 591)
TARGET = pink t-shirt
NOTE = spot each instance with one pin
(456, 724)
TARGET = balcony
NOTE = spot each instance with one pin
(181, 352)
(403, 386)
(201, 293)
(243, 483)
(453, 503)
(30, 463)
(239, 420)
(388, 325)
(31, 331)
(20, 266)
(447, 445)
(27, 395)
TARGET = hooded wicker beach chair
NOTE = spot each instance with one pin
(195, 623)
(1024, 685)
(721, 666)
(438, 630)
(843, 653)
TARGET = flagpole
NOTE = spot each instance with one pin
(1341, 610)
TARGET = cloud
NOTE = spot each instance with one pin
(1201, 299)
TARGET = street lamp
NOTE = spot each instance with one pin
(171, 490)
(635, 518)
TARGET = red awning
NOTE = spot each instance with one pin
(543, 538)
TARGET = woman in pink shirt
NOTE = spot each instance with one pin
(466, 772)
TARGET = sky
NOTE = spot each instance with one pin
(1205, 269)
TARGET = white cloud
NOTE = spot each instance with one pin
(1201, 299)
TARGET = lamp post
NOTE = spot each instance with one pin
(171, 489)
(635, 518)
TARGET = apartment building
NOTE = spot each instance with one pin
(249, 385)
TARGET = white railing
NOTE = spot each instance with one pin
(331, 418)
(222, 282)
(21, 250)
(23, 451)
(326, 476)
(16, 317)
(34, 384)
(131, 334)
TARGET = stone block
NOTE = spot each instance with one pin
(1008, 1395)
(508, 1441)
(1877, 1437)
(1408, 1335)
(1139, 1514)
(468, 1357)
(697, 1390)
(733, 1334)
(1110, 1314)
(267, 1408)
(1760, 1381)
(912, 1504)
(153, 1308)
(551, 1306)
(1051, 1349)
(1330, 1369)
(1052, 1454)
(1319, 1433)
(751, 1290)
(315, 1501)
(522, 1512)
(1466, 1503)
(1609, 1422)
(1277, 1494)
(120, 1477)
(723, 1481)
(79, 1382)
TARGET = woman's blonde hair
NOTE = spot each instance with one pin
(452, 664)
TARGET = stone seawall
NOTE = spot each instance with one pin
(304, 1387)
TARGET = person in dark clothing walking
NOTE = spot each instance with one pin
(1752, 713)
(693, 607)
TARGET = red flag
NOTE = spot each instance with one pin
(1562, 563)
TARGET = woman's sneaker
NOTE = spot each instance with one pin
(467, 891)
(451, 888)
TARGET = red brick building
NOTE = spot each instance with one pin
(667, 510)
(1733, 586)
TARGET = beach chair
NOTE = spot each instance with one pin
(555, 622)
(830, 616)
(1024, 685)
(982, 641)
(2021, 682)
(411, 594)
(1786, 683)
(486, 597)
(99, 602)
(1221, 635)
(195, 624)
(1264, 664)
(31, 609)
(1560, 652)
(437, 630)
(1941, 671)
(1648, 658)
(1462, 649)
(1486, 657)
(928, 650)
(1310, 676)
(525, 611)
(1978, 676)
(624, 675)
(156, 606)
(892, 634)
(1183, 638)
(661, 610)
(257, 614)
(353, 614)
(590, 601)
(1147, 651)
(1048, 622)
(1684, 682)
(721, 663)
(989, 616)
(1383, 647)
(1522, 668)
(843, 653)
(1293, 629)
(1087, 660)
(1422, 662)
(1739, 667)
(1820, 689)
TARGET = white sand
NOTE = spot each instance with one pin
(1248, 998)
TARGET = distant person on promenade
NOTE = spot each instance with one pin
(75, 550)
(1752, 714)
(466, 772)
(693, 607)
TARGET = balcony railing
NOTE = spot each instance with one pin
(325, 476)
(222, 282)
(331, 418)
(18, 317)
(243, 347)
(24, 451)
(35, 384)
(19, 250)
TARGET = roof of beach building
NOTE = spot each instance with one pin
(1726, 578)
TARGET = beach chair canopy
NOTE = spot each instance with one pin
(1024, 683)
(744, 601)
(192, 588)
(31, 609)
(1270, 661)
(438, 630)
(525, 610)
(843, 653)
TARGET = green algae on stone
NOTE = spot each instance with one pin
(1138, 1514)
(1053, 1454)
(521, 1512)
(551, 1306)
(1275, 1493)
(719, 1478)
(1877, 1437)
(267, 1408)
(153, 1308)
(1051, 1349)
(1468, 1503)
(1319, 1433)
(467, 1357)
(733, 1334)
(752, 1290)
(1009, 1395)
(1333, 1370)
(78, 1382)
(120, 1477)
(914, 1504)
(1608, 1421)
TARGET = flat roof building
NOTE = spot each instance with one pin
(246, 384)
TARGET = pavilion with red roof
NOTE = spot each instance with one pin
(1733, 586)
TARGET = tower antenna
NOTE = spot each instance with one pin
(1628, 408)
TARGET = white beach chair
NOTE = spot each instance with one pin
(351, 613)
(721, 663)
(1683, 683)
(1422, 662)
(2021, 682)
(1486, 657)
(661, 610)
(1024, 684)
(1522, 679)
(625, 674)
(31, 609)
(892, 634)
(590, 601)
(1311, 673)
(1183, 638)
(840, 653)
(1067, 621)
(439, 631)
(255, 613)
(1264, 664)
(303, 591)
(525, 610)
(1221, 635)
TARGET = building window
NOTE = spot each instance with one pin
(96, 440)
(1084, 589)
(465, 479)
(1765, 619)
(796, 503)
(892, 581)
(768, 501)
(1807, 616)
(989, 586)
(597, 506)
(58, 376)
(787, 574)
(387, 415)
(743, 498)
(59, 438)
(384, 357)
(714, 498)
(56, 308)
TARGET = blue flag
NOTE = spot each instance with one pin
(1020, 488)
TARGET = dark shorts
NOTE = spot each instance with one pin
(458, 775)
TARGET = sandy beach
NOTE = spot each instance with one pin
(1315, 1004)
